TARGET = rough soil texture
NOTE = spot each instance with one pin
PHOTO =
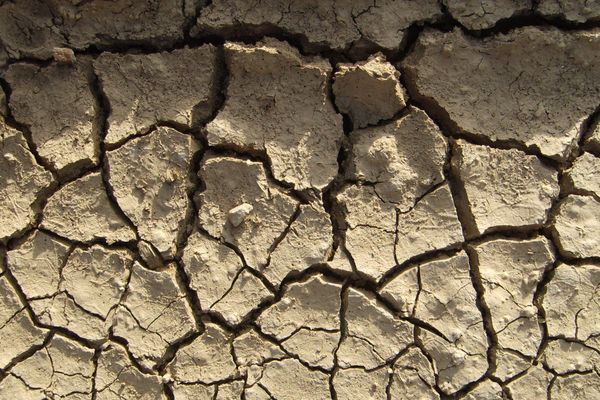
(292, 199)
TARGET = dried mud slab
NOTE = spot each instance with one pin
(329, 23)
(593, 141)
(277, 104)
(504, 188)
(231, 182)
(532, 385)
(402, 160)
(224, 391)
(153, 315)
(16, 327)
(413, 377)
(75, 289)
(532, 87)
(185, 214)
(82, 211)
(576, 226)
(63, 369)
(307, 242)
(22, 180)
(379, 237)
(142, 90)
(565, 357)
(572, 11)
(368, 91)
(207, 359)
(584, 175)
(450, 307)
(287, 378)
(32, 28)
(484, 14)
(153, 191)
(117, 378)
(373, 335)
(312, 305)
(356, 382)
(57, 105)
(511, 271)
(37, 264)
(571, 303)
(216, 275)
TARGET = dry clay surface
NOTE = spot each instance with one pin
(291, 199)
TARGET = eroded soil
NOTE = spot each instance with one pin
(300, 200)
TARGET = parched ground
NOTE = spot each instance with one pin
(289, 199)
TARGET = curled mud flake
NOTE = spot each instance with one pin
(584, 175)
(145, 89)
(16, 328)
(207, 359)
(571, 302)
(413, 377)
(504, 188)
(150, 255)
(277, 104)
(63, 55)
(368, 91)
(21, 182)
(154, 203)
(577, 226)
(448, 302)
(320, 24)
(117, 378)
(510, 274)
(356, 383)
(238, 214)
(532, 86)
(571, 11)
(484, 14)
(82, 211)
(153, 315)
(373, 335)
(57, 105)
(63, 369)
(230, 182)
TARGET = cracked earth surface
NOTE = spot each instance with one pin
(300, 199)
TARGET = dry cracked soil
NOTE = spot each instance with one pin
(290, 199)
